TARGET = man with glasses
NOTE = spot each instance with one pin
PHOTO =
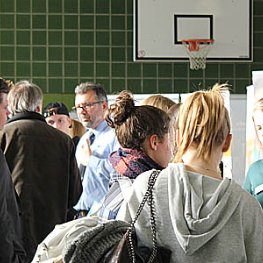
(94, 147)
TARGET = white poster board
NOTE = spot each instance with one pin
(254, 93)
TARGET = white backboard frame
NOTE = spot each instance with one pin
(160, 25)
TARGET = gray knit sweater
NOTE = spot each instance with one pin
(200, 219)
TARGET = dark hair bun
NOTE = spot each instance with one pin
(121, 109)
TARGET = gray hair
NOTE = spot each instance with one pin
(84, 87)
(24, 97)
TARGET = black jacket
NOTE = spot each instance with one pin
(11, 249)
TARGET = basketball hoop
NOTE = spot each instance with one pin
(197, 50)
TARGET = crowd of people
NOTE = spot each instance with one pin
(57, 169)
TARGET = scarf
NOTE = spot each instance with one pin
(132, 162)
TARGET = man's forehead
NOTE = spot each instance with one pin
(90, 95)
(57, 117)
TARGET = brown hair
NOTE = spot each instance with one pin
(5, 86)
(133, 124)
(159, 101)
(203, 122)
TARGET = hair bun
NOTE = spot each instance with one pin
(121, 109)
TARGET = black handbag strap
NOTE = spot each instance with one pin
(148, 196)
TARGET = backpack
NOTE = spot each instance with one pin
(114, 198)
(50, 249)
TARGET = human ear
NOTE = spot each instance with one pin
(39, 109)
(70, 122)
(227, 143)
(105, 105)
(153, 141)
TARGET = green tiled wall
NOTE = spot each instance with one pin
(59, 43)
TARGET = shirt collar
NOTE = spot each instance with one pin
(27, 115)
(100, 128)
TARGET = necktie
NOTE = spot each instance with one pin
(91, 138)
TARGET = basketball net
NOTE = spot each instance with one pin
(197, 50)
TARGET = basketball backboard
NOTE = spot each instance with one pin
(161, 25)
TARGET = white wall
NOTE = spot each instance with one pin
(238, 108)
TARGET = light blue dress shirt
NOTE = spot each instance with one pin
(97, 174)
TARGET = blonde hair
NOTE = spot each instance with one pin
(159, 101)
(173, 112)
(203, 122)
(258, 107)
(76, 129)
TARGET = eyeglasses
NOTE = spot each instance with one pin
(86, 106)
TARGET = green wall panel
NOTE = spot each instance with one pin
(59, 43)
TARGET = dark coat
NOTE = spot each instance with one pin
(45, 174)
(11, 249)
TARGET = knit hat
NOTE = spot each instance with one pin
(54, 108)
(94, 243)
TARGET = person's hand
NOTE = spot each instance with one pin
(58, 259)
(86, 152)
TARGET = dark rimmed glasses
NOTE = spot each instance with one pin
(86, 106)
